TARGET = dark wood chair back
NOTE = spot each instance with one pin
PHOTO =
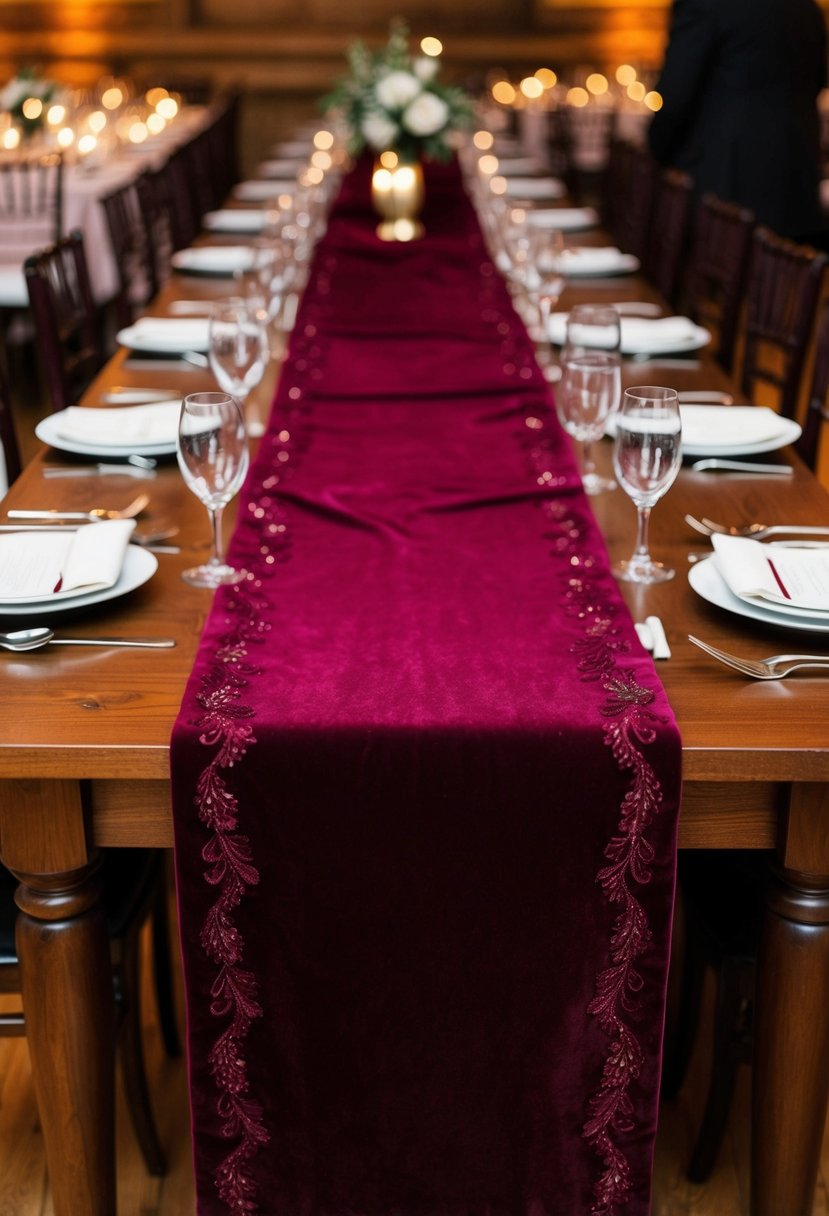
(628, 195)
(579, 146)
(716, 274)
(669, 233)
(137, 276)
(784, 282)
(817, 410)
(31, 204)
(223, 143)
(67, 331)
(8, 436)
(153, 203)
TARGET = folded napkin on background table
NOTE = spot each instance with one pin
(563, 219)
(214, 259)
(234, 220)
(166, 334)
(260, 191)
(287, 168)
(122, 426)
(88, 558)
(604, 259)
(724, 425)
(639, 333)
(774, 574)
(535, 187)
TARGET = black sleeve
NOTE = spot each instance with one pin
(691, 44)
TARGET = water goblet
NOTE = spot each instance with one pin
(238, 349)
(212, 454)
(646, 456)
(591, 383)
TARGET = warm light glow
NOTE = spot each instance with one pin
(404, 177)
(324, 140)
(112, 98)
(531, 87)
(431, 46)
(86, 144)
(314, 176)
(97, 121)
(322, 160)
(636, 91)
(55, 115)
(11, 138)
(483, 140)
(154, 96)
(138, 133)
(156, 123)
(32, 107)
(503, 92)
(65, 137)
(167, 107)
(577, 97)
(625, 75)
(547, 77)
(653, 100)
(498, 185)
(488, 164)
(388, 159)
(381, 180)
(596, 84)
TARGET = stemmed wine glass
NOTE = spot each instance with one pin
(546, 293)
(591, 383)
(238, 349)
(646, 456)
(212, 454)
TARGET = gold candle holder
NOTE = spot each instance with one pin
(397, 197)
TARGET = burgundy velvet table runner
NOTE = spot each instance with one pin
(425, 779)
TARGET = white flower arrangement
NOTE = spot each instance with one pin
(22, 86)
(392, 100)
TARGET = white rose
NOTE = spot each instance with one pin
(425, 68)
(426, 115)
(396, 90)
(378, 131)
(13, 94)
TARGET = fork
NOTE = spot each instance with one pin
(754, 531)
(775, 667)
(129, 512)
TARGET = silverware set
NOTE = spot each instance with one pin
(775, 667)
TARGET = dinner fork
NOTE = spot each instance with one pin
(775, 667)
(754, 531)
(129, 512)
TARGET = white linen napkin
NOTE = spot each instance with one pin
(286, 167)
(124, 426)
(723, 426)
(40, 564)
(173, 334)
(563, 219)
(259, 191)
(587, 259)
(534, 187)
(638, 333)
(214, 259)
(236, 219)
(774, 574)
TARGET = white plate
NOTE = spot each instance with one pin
(789, 432)
(181, 335)
(260, 191)
(709, 584)
(48, 431)
(220, 260)
(563, 219)
(139, 566)
(618, 264)
(534, 187)
(696, 339)
(236, 219)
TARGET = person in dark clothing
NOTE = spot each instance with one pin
(739, 85)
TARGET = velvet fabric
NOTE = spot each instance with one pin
(425, 779)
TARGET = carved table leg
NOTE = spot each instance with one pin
(67, 989)
(791, 1051)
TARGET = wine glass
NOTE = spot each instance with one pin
(646, 457)
(546, 293)
(238, 349)
(212, 454)
(591, 383)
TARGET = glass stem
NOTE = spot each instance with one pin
(643, 518)
(215, 514)
(588, 464)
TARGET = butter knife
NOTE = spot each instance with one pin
(740, 466)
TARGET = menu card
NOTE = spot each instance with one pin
(39, 564)
(774, 574)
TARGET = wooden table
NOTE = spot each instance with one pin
(84, 766)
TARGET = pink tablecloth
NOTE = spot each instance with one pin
(426, 780)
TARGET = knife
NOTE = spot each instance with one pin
(740, 466)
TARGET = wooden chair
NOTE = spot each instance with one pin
(137, 274)
(8, 437)
(817, 411)
(67, 331)
(628, 194)
(668, 233)
(31, 216)
(716, 271)
(784, 282)
(579, 147)
(133, 889)
(152, 196)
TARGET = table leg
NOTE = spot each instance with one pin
(67, 988)
(791, 1050)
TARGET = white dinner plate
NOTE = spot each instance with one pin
(214, 260)
(139, 566)
(709, 584)
(573, 267)
(694, 338)
(48, 431)
(563, 219)
(172, 336)
(235, 219)
(788, 432)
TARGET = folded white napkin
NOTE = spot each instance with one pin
(534, 187)
(168, 334)
(774, 574)
(723, 426)
(286, 168)
(639, 333)
(587, 259)
(214, 259)
(235, 220)
(41, 564)
(563, 219)
(511, 165)
(124, 426)
(261, 191)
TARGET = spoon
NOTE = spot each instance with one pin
(33, 639)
